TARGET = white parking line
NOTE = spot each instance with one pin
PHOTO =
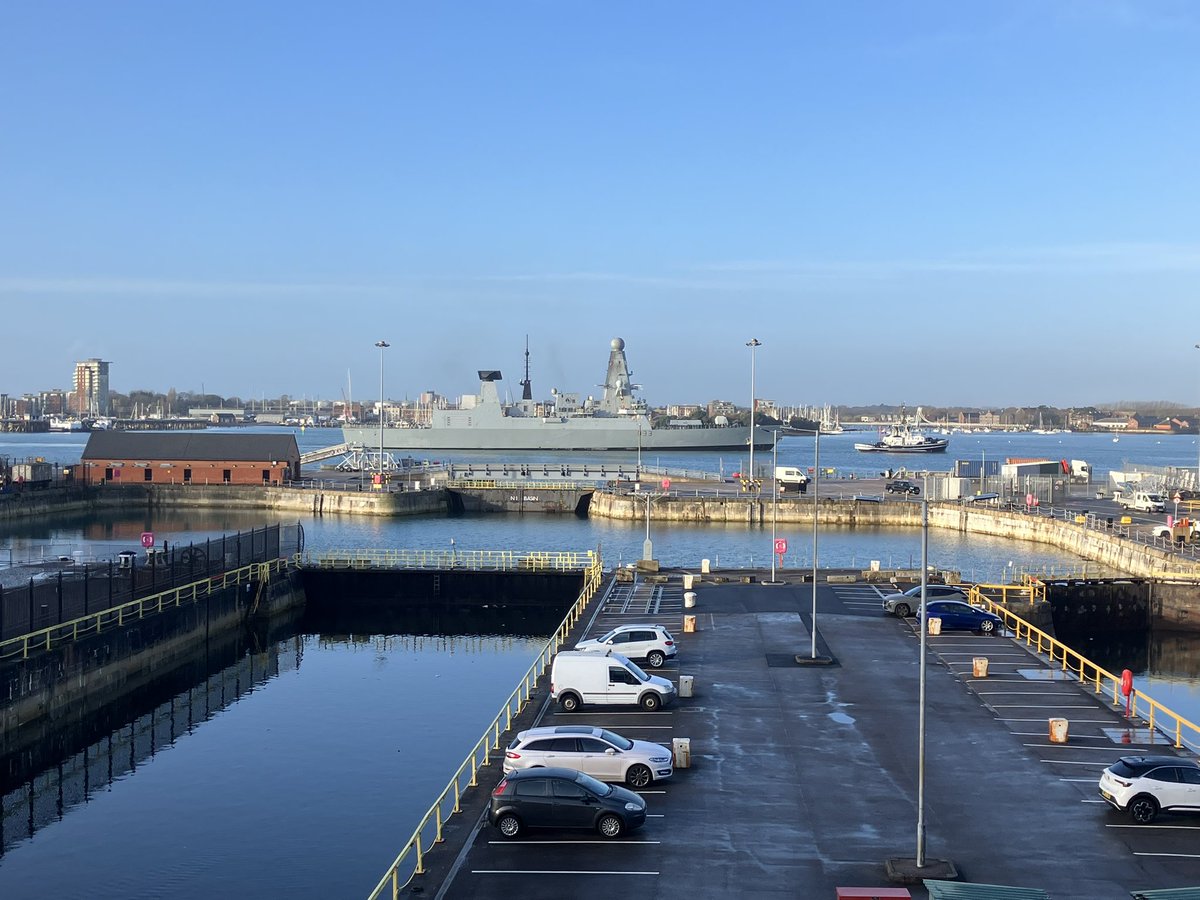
(602, 843)
(1076, 721)
(1073, 762)
(558, 871)
(1113, 749)
(1176, 855)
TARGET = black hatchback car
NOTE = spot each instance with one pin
(903, 487)
(563, 798)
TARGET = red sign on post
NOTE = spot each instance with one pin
(781, 546)
(147, 539)
(666, 484)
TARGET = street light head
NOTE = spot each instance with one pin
(382, 344)
(755, 342)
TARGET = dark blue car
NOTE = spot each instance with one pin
(959, 616)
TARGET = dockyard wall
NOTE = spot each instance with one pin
(1104, 547)
(308, 501)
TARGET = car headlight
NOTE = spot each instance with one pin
(660, 759)
(632, 807)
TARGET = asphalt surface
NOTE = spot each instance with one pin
(804, 779)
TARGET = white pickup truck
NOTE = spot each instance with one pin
(1179, 532)
(1143, 501)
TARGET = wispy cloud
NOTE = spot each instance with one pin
(132, 286)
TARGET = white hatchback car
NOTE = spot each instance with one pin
(653, 643)
(597, 752)
(1145, 785)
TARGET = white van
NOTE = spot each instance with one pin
(578, 677)
(791, 478)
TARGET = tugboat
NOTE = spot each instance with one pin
(905, 437)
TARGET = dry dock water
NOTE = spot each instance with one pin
(803, 779)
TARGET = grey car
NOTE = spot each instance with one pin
(902, 605)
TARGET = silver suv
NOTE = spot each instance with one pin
(597, 752)
(653, 643)
(902, 605)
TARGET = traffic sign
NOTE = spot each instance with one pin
(781, 546)
(147, 539)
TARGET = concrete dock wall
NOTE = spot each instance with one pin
(98, 668)
(307, 501)
(1115, 552)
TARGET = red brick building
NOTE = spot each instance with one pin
(188, 457)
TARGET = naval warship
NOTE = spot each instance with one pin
(616, 421)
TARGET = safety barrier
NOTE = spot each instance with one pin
(1183, 732)
(411, 858)
(484, 560)
(485, 484)
(93, 623)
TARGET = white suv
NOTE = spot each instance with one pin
(1145, 785)
(653, 643)
(597, 752)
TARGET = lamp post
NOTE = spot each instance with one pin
(815, 482)
(774, 500)
(1197, 417)
(382, 345)
(921, 704)
(753, 344)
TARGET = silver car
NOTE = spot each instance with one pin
(902, 605)
(597, 752)
(653, 643)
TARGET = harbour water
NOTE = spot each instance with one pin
(314, 771)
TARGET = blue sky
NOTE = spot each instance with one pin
(921, 202)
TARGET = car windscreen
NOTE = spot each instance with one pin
(1123, 770)
(616, 740)
(608, 637)
(642, 676)
(597, 787)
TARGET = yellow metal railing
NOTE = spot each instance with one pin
(488, 484)
(411, 859)
(1157, 717)
(494, 560)
(94, 623)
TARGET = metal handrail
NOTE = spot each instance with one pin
(490, 560)
(1184, 733)
(488, 483)
(435, 818)
(94, 623)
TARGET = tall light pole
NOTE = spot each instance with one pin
(774, 500)
(921, 703)
(753, 344)
(1197, 417)
(382, 345)
(815, 482)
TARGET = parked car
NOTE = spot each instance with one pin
(598, 752)
(959, 616)
(902, 605)
(1144, 786)
(606, 678)
(903, 487)
(653, 643)
(563, 798)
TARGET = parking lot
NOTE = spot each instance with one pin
(804, 779)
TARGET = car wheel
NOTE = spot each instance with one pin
(987, 626)
(509, 825)
(916, 491)
(610, 826)
(1143, 809)
(655, 659)
(903, 610)
(638, 776)
(568, 702)
(651, 702)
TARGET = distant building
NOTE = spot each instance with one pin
(89, 388)
(683, 410)
(721, 408)
(127, 457)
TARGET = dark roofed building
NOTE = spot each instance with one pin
(187, 457)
